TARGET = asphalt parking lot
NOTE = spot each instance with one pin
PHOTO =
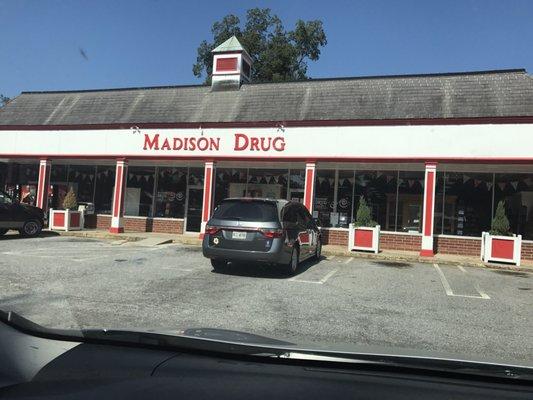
(69, 282)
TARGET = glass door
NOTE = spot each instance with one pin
(193, 219)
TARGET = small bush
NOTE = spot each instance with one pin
(500, 223)
(70, 202)
(364, 215)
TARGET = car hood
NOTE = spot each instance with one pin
(31, 209)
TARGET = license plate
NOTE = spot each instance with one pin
(238, 235)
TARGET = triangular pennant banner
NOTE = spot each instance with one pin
(514, 184)
(502, 185)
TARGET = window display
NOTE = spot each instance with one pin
(139, 191)
(171, 192)
(105, 184)
(81, 178)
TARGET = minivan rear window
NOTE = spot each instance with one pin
(247, 211)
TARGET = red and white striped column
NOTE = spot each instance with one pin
(43, 185)
(309, 188)
(119, 193)
(207, 204)
(429, 210)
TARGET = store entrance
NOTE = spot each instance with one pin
(193, 219)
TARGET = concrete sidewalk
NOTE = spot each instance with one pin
(327, 250)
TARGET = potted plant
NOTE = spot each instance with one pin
(500, 244)
(364, 232)
(69, 218)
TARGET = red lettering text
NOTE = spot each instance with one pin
(241, 142)
(151, 144)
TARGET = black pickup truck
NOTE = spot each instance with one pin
(28, 220)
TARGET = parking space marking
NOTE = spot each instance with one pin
(348, 260)
(320, 282)
(330, 258)
(448, 288)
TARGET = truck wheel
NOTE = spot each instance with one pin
(218, 265)
(31, 228)
(3, 232)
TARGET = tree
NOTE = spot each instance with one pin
(70, 202)
(500, 223)
(3, 100)
(364, 215)
(277, 54)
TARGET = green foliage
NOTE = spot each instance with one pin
(70, 202)
(4, 100)
(277, 54)
(500, 223)
(364, 215)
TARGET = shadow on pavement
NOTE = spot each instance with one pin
(260, 270)
(17, 236)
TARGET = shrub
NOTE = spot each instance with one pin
(364, 215)
(70, 202)
(500, 223)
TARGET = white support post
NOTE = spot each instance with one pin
(117, 216)
(428, 210)
(309, 189)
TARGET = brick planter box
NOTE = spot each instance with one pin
(66, 220)
(363, 238)
(506, 249)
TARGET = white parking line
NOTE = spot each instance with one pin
(348, 260)
(448, 288)
(330, 258)
(320, 282)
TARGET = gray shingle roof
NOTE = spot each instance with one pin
(463, 95)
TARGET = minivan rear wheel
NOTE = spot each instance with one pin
(31, 228)
(292, 266)
(218, 265)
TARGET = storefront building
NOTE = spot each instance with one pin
(431, 154)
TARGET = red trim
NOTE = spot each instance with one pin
(116, 230)
(309, 183)
(428, 217)
(207, 193)
(426, 253)
(118, 190)
(274, 124)
(176, 157)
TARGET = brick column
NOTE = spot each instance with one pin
(428, 210)
(43, 185)
(207, 203)
(309, 188)
(117, 216)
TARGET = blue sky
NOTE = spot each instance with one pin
(153, 42)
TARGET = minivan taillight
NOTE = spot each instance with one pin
(211, 230)
(271, 233)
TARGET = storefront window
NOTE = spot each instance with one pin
(230, 182)
(171, 192)
(105, 184)
(342, 216)
(81, 178)
(324, 201)
(410, 201)
(139, 191)
(20, 181)
(271, 183)
(379, 191)
(516, 190)
(297, 185)
(467, 203)
(59, 183)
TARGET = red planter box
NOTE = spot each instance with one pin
(363, 238)
(501, 248)
(66, 220)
